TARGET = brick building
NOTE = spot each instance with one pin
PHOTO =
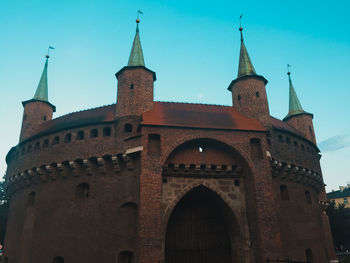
(340, 197)
(146, 181)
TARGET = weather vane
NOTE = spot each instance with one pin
(240, 21)
(288, 69)
(48, 51)
(139, 12)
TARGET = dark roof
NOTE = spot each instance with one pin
(199, 116)
(172, 114)
(281, 125)
(339, 194)
(80, 118)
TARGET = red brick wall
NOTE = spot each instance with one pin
(249, 97)
(135, 91)
(303, 123)
(35, 113)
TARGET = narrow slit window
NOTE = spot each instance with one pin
(284, 193)
(106, 131)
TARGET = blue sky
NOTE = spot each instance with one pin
(193, 46)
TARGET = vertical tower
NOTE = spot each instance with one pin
(135, 83)
(37, 110)
(248, 89)
(297, 117)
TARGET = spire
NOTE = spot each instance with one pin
(136, 55)
(245, 65)
(42, 90)
(294, 104)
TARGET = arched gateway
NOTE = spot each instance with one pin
(204, 179)
(199, 229)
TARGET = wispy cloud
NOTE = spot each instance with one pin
(200, 96)
(334, 143)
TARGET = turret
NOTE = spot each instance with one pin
(297, 117)
(248, 89)
(38, 109)
(135, 83)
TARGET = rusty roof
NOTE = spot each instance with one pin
(171, 114)
(79, 118)
(281, 125)
(199, 116)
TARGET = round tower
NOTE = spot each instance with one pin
(297, 117)
(135, 83)
(248, 89)
(37, 110)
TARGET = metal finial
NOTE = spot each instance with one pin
(288, 69)
(139, 12)
(240, 26)
(48, 51)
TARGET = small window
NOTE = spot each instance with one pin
(308, 149)
(25, 116)
(280, 138)
(257, 94)
(346, 201)
(68, 138)
(56, 140)
(308, 197)
(82, 191)
(296, 144)
(310, 129)
(29, 149)
(46, 143)
(309, 256)
(106, 131)
(288, 140)
(31, 199)
(126, 257)
(237, 182)
(131, 86)
(128, 127)
(255, 148)
(302, 147)
(200, 149)
(44, 118)
(80, 135)
(268, 141)
(239, 97)
(284, 193)
(93, 133)
(58, 260)
(37, 145)
(154, 144)
(139, 128)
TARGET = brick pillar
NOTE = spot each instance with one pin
(150, 215)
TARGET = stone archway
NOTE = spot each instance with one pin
(201, 229)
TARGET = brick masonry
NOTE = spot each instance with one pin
(137, 175)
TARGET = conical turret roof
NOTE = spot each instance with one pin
(295, 107)
(42, 89)
(245, 67)
(136, 54)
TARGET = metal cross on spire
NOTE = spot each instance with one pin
(48, 51)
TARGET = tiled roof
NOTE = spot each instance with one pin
(199, 116)
(281, 125)
(169, 114)
(80, 118)
(339, 194)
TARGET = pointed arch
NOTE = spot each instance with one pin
(202, 224)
